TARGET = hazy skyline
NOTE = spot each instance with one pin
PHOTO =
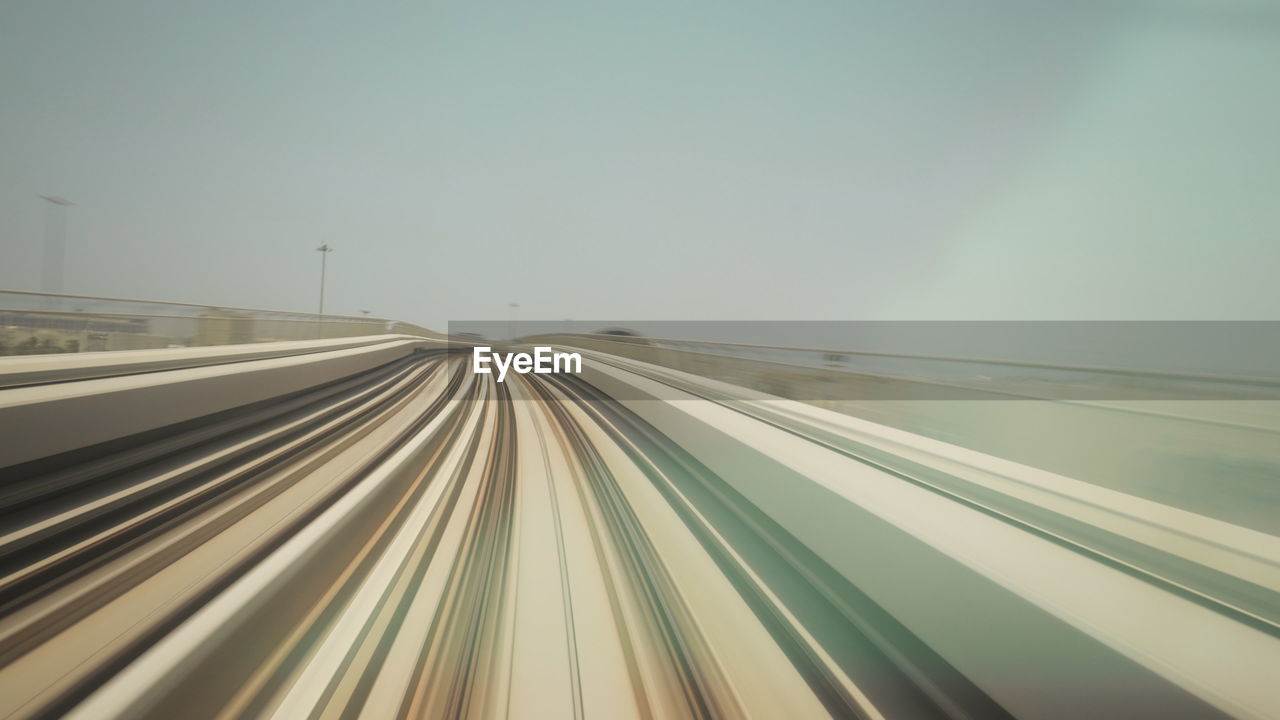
(718, 160)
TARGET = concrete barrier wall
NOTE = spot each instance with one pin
(31, 370)
(43, 420)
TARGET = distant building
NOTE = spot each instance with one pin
(24, 332)
(224, 327)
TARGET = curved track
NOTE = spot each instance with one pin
(417, 541)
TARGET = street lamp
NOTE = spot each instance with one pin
(511, 321)
(55, 242)
(324, 251)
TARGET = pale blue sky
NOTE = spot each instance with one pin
(666, 160)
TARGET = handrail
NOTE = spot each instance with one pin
(208, 306)
(41, 323)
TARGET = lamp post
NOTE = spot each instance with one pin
(55, 242)
(324, 251)
(511, 321)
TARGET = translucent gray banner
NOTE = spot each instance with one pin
(862, 360)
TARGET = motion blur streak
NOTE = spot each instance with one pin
(371, 529)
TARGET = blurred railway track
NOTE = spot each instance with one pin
(412, 540)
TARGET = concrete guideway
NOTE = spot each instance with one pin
(394, 535)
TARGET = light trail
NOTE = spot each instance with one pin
(408, 539)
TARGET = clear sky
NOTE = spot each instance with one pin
(735, 159)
